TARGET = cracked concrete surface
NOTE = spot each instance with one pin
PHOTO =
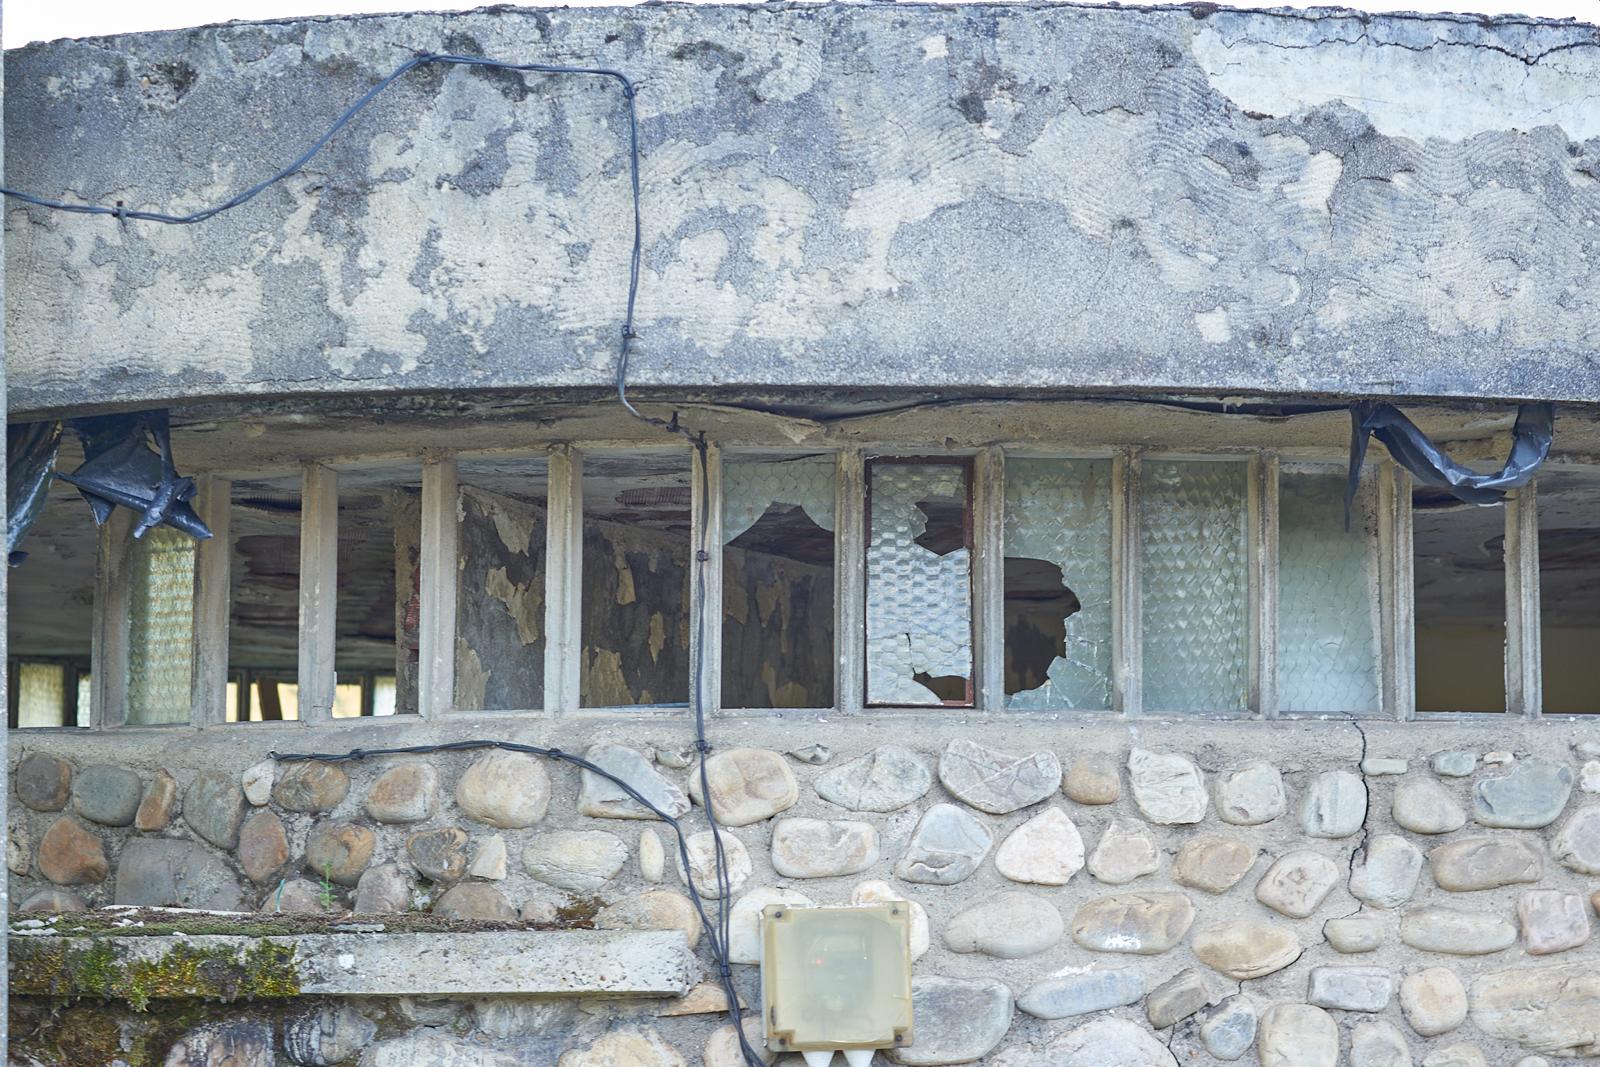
(981, 197)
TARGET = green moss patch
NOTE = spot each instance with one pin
(103, 969)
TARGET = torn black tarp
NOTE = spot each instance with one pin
(120, 467)
(1427, 462)
(30, 458)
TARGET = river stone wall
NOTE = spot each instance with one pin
(1303, 893)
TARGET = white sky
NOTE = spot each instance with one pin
(44, 20)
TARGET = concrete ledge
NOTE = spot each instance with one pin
(221, 967)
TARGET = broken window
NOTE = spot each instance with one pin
(377, 616)
(636, 620)
(1194, 585)
(919, 582)
(777, 582)
(264, 600)
(161, 567)
(50, 610)
(1327, 594)
(1569, 590)
(1058, 583)
(1460, 603)
(500, 637)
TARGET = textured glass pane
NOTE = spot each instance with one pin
(41, 694)
(1460, 603)
(1327, 596)
(500, 579)
(1194, 585)
(919, 585)
(777, 582)
(160, 626)
(1058, 583)
(1569, 590)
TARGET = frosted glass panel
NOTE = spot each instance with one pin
(919, 585)
(1327, 596)
(751, 487)
(1058, 583)
(160, 626)
(1194, 585)
(41, 694)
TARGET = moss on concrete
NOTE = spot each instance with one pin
(97, 968)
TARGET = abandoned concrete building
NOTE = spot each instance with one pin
(988, 507)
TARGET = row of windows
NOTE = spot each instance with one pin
(1146, 584)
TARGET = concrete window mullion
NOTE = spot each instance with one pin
(1524, 652)
(1396, 548)
(705, 581)
(319, 591)
(563, 649)
(850, 582)
(212, 607)
(437, 624)
(1263, 642)
(988, 579)
(1127, 694)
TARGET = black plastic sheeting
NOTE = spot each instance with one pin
(31, 449)
(121, 467)
(1427, 462)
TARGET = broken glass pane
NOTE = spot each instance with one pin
(1058, 583)
(1327, 595)
(1460, 581)
(500, 636)
(919, 583)
(1569, 589)
(777, 582)
(1194, 585)
(160, 626)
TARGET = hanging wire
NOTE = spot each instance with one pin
(718, 928)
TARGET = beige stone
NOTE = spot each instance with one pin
(1126, 851)
(1433, 1001)
(652, 857)
(707, 998)
(475, 900)
(263, 846)
(1297, 883)
(702, 863)
(1552, 921)
(1214, 864)
(1092, 780)
(1143, 923)
(723, 1050)
(1247, 948)
(818, 848)
(1485, 863)
(71, 855)
(654, 909)
(339, 851)
(1045, 850)
(509, 790)
(625, 1048)
(1297, 1035)
(158, 806)
(311, 786)
(403, 794)
(1548, 1008)
(747, 785)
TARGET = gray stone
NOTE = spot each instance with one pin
(1453, 764)
(815, 848)
(1335, 805)
(885, 779)
(1531, 796)
(431, 1048)
(1423, 806)
(488, 860)
(159, 805)
(155, 872)
(256, 782)
(299, 896)
(1378, 1043)
(1459, 933)
(475, 900)
(1176, 999)
(1092, 780)
(1045, 850)
(1168, 788)
(1127, 850)
(1297, 1035)
(327, 1036)
(703, 863)
(383, 890)
(946, 847)
(1589, 776)
(53, 902)
(1354, 933)
(107, 795)
(1251, 795)
(1476, 863)
(603, 799)
(1214, 864)
(403, 794)
(1548, 1008)
(579, 860)
(816, 755)
(244, 1043)
(744, 920)
(1552, 921)
(1228, 1029)
(626, 1048)
(509, 790)
(957, 1020)
(1576, 845)
(1386, 871)
(1532, 1061)
(1351, 988)
(510, 1017)
(1107, 1043)
(748, 785)
(213, 806)
(1143, 923)
(439, 855)
(654, 909)
(1433, 1001)
(1297, 883)
(652, 856)
(1083, 992)
(997, 782)
(43, 782)
(311, 786)
(71, 855)
(339, 851)
(1456, 1055)
(1382, 766)
(263, 847)
(1247, 949)
(1006, 925)
(19, 847)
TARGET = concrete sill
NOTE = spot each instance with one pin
(610, 963)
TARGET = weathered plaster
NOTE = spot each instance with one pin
(998, 197)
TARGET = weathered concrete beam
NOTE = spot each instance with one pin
(227, 967)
